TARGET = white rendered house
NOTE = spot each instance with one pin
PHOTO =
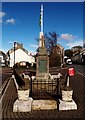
(2, 58)
(21, 54)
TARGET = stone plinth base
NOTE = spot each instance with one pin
(44, 104)
(67, 105)
(22, 105)
(42, 76)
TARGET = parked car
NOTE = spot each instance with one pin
(2, 64)
(69, 61)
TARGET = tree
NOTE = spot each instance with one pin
(55, 57)
(50, 40)
(76, 49)
(53, 49)
(69, 53)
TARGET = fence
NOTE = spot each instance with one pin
(44, 89)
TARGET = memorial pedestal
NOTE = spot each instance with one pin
(42, 61)
(67, 105)
(22, 105)
(42, 70)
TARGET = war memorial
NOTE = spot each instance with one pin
(42, 91)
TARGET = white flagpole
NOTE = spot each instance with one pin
(41, 23)
(42, 18)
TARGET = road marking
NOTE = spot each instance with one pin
(80, 73)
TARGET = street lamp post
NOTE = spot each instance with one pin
(14, 54)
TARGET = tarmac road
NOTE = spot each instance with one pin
(79, 68)
(5, 73)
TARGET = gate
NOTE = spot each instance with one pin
(44, 89)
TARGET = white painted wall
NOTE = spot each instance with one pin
(2, 59)
(20, 55)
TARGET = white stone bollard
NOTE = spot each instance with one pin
(24, 102)
(67, 95)
(68, 81)
(67, 103)
(23, 94)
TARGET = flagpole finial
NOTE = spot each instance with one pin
(41, 6)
